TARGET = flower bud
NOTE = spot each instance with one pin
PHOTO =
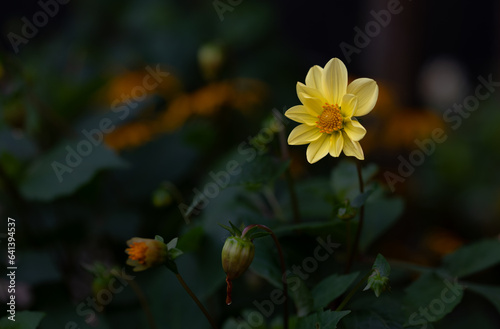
(145, 253)
(377, 283)
(237, 255)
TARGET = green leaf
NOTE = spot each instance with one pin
(378, 281)
(51, 176)
(382, 266)
(230, 230)
(344, 178)
(262, 171)
(236, 230)
(159, 238)
(372, 320)
(431, 297)
(492, 293)
(191, 240)
(22, 320)
(473, 258)
(380, 215)
(361, 199)
(173, 253)
(256, 235)
(332, 287)
(172, 244)
(301, 295)
(321, 320)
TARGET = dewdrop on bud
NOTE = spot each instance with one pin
(237, 255)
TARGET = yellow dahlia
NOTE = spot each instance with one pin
(328, 111)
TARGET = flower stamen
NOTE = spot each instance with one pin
(330, 119)
(137, 251)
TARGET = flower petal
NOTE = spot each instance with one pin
(318, 149)
(314, 76)
(311, 92)
(313, 105)
(300, 114)
(352, 148)
(348, 105)
(334, 81)
(303, 134)
(354, 129)
(336, 144)
(367, 92)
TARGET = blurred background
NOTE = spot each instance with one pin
(114, 113)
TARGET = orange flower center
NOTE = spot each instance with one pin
(137, 251)
(330, 119)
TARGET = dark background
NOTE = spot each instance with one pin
(66, 78)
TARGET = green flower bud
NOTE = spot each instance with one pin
(377, 283)
(237, 255)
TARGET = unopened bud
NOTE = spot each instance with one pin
(237, 255)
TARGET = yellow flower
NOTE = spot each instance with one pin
(145, 253)
(328, 111)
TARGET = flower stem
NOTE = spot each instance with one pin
(196, 300)
(352, 292)
(355, 249)
(282, 264)
(144, 303)
(289, 178)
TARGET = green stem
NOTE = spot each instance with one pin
(144, 303)
(355, 249)
(196, 300)
(289, 178)
(282, 264)
(352, 292)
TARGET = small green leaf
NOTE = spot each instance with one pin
(236, 230)
(256, 235)
(382, 266)
(159, 238)
(321, 320)
(173, 253)
(172, 244)
(22, 320)
(473, 258)
(361, 199)
(378, 281)
(332, 287)
(227, 228)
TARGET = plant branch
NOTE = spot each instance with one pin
(196, 300)
(355, 249)
(352, 292)
(282, 264)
